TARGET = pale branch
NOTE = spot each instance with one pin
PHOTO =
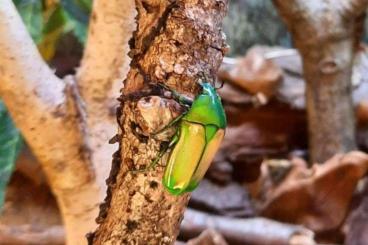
(100, 77)
(41, 104)
(312, 12)
(44, 109)
(105, 62)
(256, 231)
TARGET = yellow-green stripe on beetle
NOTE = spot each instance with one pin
(199, 135)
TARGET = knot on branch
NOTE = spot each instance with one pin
(154, 113)
(328, 66)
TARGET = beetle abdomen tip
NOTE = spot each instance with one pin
(175, 190)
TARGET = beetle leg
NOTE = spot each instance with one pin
(182, 99)
(173, 141)
(172, 123)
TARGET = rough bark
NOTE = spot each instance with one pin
(175, 41)
(103, 69)
(45, 109)
(326, 34)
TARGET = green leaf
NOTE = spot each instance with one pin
(31, 13)
(10, 144)
(80, 31)
(77, 9)
(48, 22)
(55, 21)
(78, 12)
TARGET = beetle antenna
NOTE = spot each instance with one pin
(202, 76)
(182, 99)
(213, 80)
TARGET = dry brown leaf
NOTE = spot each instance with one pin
(232, 94)
(254, 73)
(270, 178)
(362, 112)
(319, 197)
(356, 225)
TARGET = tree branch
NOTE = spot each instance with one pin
(40, 103)
(44, 109)
(105, 62)
(175, 42)
(103, 68)
(353, 7)
(326, 39)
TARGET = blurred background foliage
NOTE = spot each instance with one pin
(251, 22)
(10, 142)
(48, 20)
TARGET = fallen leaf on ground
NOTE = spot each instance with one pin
(254, 73)
(362, 112)
(356, 227)
(319, 197)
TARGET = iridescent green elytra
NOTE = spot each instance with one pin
(200, 132)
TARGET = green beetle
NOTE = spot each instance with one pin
(199, 135)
